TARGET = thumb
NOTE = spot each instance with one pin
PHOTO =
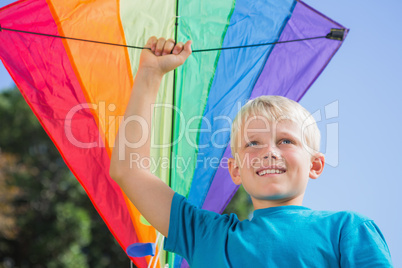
(186, 52)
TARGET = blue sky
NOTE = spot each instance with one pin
(359, 97)
(364, 79)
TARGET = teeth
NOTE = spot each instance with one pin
(270, 171)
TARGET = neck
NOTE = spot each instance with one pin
(268, 203)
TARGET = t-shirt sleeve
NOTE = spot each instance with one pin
(190, 227)
(365, 246)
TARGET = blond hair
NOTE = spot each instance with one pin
(276, 108)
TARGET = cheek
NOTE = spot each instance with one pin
(255, 160)
(291, 156)
(297, 159)
(248, 160)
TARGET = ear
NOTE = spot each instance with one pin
(234, 171)
(317, 165)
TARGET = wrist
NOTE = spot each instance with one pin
(150, 75)
(147, 82)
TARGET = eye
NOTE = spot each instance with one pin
(285, 141)
(252, 144)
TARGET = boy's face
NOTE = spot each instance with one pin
(272, 163)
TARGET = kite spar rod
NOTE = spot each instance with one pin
(335, 34)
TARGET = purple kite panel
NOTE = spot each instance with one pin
(289, 71)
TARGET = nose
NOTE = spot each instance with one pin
(272, 154)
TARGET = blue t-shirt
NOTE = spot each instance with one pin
(287, 236)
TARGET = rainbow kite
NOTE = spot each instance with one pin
(78, 87)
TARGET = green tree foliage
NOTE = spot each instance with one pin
(240, 205)
(46, 219)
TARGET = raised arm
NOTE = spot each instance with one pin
(148, 193)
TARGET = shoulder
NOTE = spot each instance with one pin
(357, 239)
(349, 224)
(340, 217)
(353, 221)
(361, 242)
(347, 220)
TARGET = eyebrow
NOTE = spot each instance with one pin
(252, 136)
(288, 134)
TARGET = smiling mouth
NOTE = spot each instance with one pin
(270, 171)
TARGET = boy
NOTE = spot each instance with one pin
(274, 155)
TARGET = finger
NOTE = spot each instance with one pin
(186, 52)
(151, 43)
(169, 45)
(159, 46)
(178, 48)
